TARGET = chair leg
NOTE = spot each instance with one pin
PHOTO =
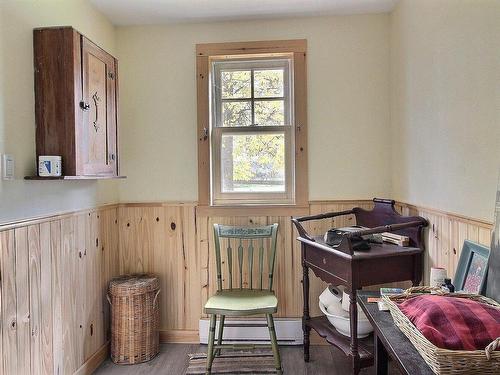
(211, 339)
(221, 333)
(274, 344)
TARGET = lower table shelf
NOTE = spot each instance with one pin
(365, 345)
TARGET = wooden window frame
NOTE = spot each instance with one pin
(205, 53)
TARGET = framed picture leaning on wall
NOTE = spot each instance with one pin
(472, 268)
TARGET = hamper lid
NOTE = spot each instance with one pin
(135, 284)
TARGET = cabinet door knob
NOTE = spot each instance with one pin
(112, 156)
(84, 106)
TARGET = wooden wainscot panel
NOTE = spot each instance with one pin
(23, 305)
(70, 303)
(9, 302)
(162, 239)
(285, 267)
(445, 236)
(35, 305)
(47, 361)
(54, 277)
(56, 284)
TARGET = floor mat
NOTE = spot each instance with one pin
(233, 362)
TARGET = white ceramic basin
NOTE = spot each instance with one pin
(339, 318)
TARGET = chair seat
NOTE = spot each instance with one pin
(242, 302)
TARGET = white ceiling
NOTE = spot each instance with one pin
(141, 12)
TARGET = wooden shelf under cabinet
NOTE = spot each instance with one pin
(88, 177)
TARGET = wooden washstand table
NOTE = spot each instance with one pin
(383, 263)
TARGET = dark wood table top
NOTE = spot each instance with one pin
(376, 250)
(398, 346)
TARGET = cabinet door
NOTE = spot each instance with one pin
(97, 145)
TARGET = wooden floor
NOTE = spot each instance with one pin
(173, 360)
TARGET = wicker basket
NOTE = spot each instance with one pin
(445, 361)
(134, 318)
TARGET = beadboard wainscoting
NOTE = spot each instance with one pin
(175, 241)
(54, 313)
(445, 236)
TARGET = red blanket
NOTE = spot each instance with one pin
(453, 323)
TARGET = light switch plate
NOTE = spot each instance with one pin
(7, 167)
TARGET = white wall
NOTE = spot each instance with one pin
(21, 199)
(348, 104)
(404, 105)
(445, 104)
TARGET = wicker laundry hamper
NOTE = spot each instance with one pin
(134, 318)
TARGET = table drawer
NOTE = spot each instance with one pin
(329, 264)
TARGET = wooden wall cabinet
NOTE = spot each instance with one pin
(76, 103)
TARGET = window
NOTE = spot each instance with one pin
(252, 145)
(251, 131)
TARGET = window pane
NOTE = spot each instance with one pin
(253, 163)
(236, 84)
(236, 113)
(270, 112)
(268, 83)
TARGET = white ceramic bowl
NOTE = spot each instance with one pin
(336, 309)
(340, 320)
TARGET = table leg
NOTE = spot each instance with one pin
(417, 270)
(305, 317)
(381, 357)
(353, 313)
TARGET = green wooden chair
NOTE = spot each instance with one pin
(240, 301)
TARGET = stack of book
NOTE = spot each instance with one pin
(396, 239)
(390, 291)
(387, 292)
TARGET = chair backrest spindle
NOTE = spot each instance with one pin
(261, 262)
(218, 262)
(240, 262)
(250, 263)
(271, 260)
(230, 263)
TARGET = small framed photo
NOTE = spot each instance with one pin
(470, 276)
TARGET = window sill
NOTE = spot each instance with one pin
(253, 210)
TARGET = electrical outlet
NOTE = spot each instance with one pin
(7, 167)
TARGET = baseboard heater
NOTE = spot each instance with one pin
(288, 331)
